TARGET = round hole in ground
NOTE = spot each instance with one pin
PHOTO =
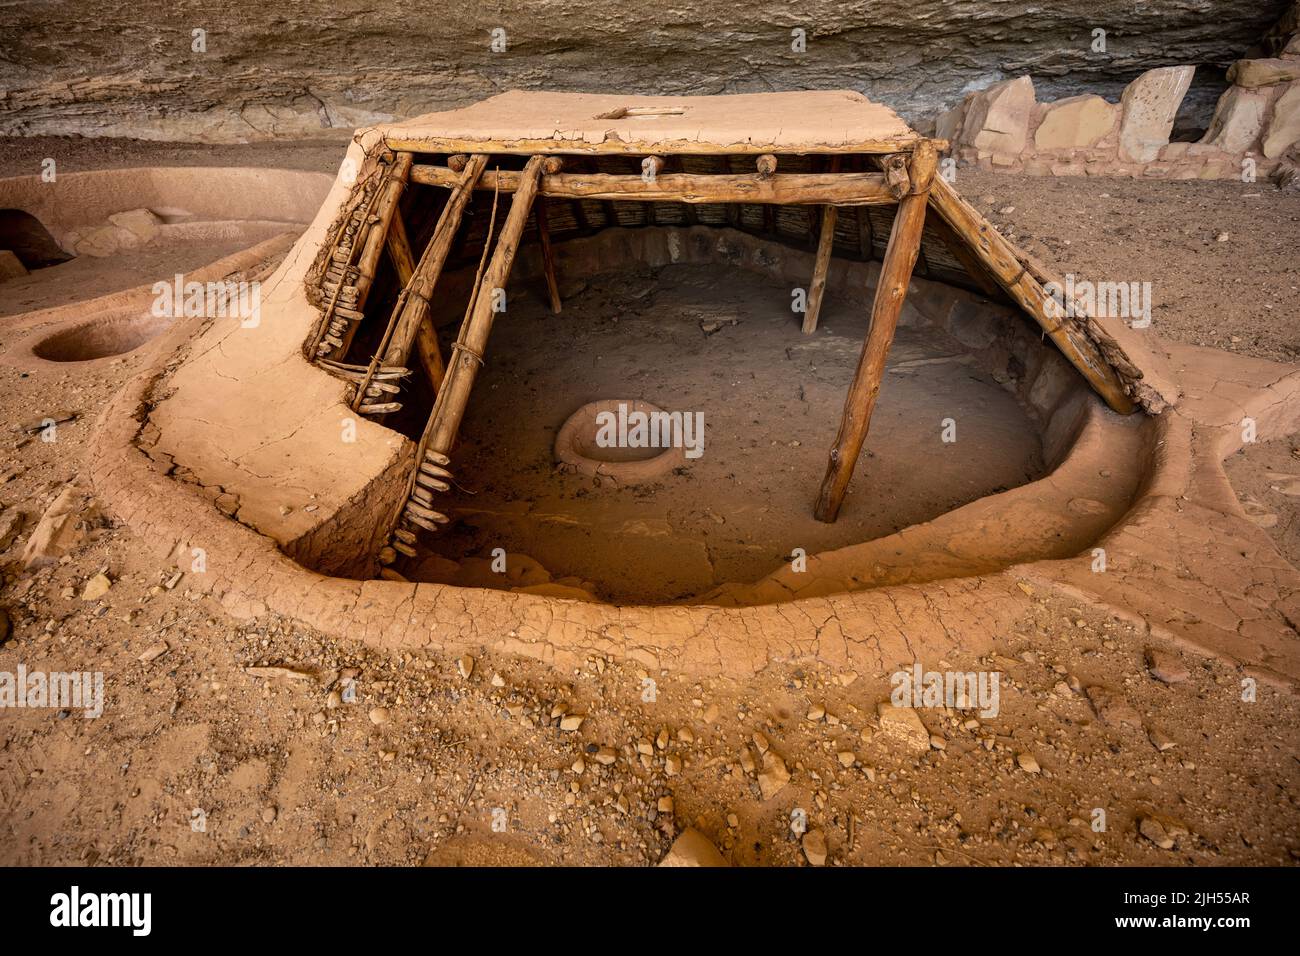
(102, 338)
(723, 343)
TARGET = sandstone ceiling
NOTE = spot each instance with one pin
(309, 67)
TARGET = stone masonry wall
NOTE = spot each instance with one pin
(1255, 128)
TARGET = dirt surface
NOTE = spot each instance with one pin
(1220, 256)
(22, 155)
(424, 763)
(724, 345)
(1266, 477)
(86, 277)
(354, 756)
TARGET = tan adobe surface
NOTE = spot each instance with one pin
(824, 121)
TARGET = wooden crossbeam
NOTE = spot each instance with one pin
(891, 290)
(845, 189)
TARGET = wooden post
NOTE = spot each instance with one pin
(426, 347)
(891, 289)
(866, 240)
(373, 245)
(548, 254)
(413, 304)
(399, 249)
(825, 247)
(467, 355)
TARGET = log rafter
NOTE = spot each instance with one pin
(842, 189)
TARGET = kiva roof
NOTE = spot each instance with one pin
(826, 121)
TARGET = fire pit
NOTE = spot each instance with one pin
(628, 441)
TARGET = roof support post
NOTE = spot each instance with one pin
(548, 255)
(413, 308)
(825, 246)
(891, 289)
(466, 357)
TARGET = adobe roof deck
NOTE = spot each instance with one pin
(831, 121)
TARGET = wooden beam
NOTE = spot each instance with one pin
(891, 289)
(1006, 264)
(903, 142)
(825, 247)
(548, 254)
(426, 347)
(373, 245)
(413, 305)
(845, 189)
(467, 356)
(399, 249)
(816, 292)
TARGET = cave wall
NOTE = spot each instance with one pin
(311, 69)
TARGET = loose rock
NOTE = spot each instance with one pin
(814, 847)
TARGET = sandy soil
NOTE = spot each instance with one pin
(22, 155)
(85, 277)
(1220, 256)
(421, 763)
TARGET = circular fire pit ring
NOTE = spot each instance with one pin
(606, 439)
